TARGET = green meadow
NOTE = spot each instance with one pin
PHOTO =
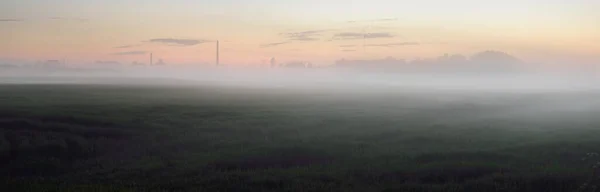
(227, 138)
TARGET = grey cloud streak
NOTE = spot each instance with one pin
(131, 53)
(273, 44)
(304, 39)
(354, 35)
(393, 44)
(11, 20)
(125, 46)
(304, 35)
(375, 20)
(178, 42)
(69, 19)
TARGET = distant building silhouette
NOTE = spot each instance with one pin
(452, 59)
(135, 63)
(160, 62)
(386, 63)
(296, 64)
(273, 62)
(494, 61)
(494, 57)
(52, 64)
(5, 65)
(108, 63)
(487, 61)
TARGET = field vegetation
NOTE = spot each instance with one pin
(202, 138)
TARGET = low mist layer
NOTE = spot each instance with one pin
(326, 78)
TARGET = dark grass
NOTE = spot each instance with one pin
(158, 138)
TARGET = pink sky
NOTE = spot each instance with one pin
(84, 32)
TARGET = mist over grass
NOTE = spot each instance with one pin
(231, 138)
(558, 94)
(168, 128)
(370, 78)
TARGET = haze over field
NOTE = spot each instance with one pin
(416, 44)
(367, 75)
(300, 95)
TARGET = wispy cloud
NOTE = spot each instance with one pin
(348, 50)
(350, 35)
(304, 39)
(125, 46)
(374, 20)
(178, 42)
(273, 44)
(347, 45)
(69, 19)
(393, 44)
(304, 35)
(383, 27)
(378, 35)
(388, 19)
(354, 35)
(11, 20)
(131, 53)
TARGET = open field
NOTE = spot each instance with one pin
(203, 138)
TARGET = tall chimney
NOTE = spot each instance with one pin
(150, 58)
(217, 53)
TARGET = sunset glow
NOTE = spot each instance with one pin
(318, 31)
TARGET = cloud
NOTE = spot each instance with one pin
(382, 27)
(379, 35)
(131, 53)
(393, 44)
(350, 35)
(353, 35)
(11, 20)
(375, 20)
(178, 42)
(125, 46)
(273, 44)
(304, 35)
(348, 50)
(304, 39)
(347, 45)
(69, 19)
(388, 19)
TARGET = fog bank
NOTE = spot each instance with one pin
(328, 78)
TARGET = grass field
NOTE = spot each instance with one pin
(202, 138)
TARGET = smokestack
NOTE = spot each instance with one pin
(150, 58)
(217, 62)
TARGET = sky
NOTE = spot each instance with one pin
(319, 31)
